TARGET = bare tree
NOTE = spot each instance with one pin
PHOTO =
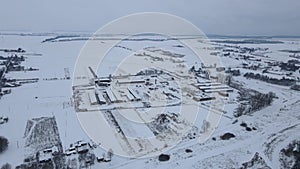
(3, 144)
(6, 166)
(110, 153)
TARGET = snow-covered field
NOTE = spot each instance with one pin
(272, 127)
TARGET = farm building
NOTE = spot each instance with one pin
(111, 96)
(100, 97)
(134, 94)
(92, 97)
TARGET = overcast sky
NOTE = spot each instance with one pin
(226, 17)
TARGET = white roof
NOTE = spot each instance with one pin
(92, 96)
(99, 152)
(45, 156)
(208, 84)
(111, 95)
(213, 87)
(130, 96)
(133, 92)
(218, 90)
(101, 98)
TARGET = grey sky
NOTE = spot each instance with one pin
(229, 17)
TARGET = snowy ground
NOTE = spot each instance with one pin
(277, 125)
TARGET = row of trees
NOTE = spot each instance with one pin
(290, 65)
(254, 102)
(283, 81)
(3, 147)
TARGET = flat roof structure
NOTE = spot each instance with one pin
(213, 87)
(110, 95)
(218, 90)
(92, 97)
(100, 97)
(134, 94)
